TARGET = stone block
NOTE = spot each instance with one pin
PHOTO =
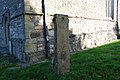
(62, 44)
(35, 35)
(41, 48)
(34, 41)
(30, 46)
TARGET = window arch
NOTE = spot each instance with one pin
(5, 23)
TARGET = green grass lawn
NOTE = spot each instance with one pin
(101, 63)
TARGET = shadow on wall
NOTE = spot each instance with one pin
(116, 30)
(90, 40)
(77, 42)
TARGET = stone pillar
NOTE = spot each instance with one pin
(62, 55)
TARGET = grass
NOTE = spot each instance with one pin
(101, 63)
(6, 61)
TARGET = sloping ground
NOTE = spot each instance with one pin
(101, 63)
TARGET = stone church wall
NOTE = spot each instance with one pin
(35, 44)
(13, 9)
(88, 24)
(34, 30)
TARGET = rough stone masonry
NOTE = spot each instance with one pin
(91, 23)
